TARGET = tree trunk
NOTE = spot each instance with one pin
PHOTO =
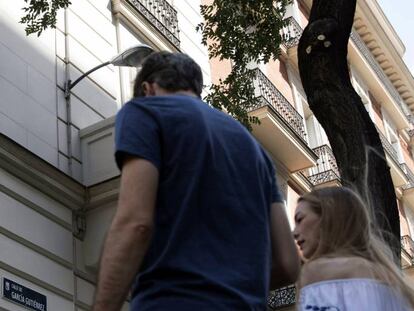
(355, 142)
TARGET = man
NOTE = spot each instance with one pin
(199, 214)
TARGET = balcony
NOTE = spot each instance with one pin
(281, 130)
(326, 172)
(154, 19)
(398, 176)
(292, 34)
(408, 189)
(407, 251)
(282, 298)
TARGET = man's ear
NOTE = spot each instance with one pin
(148, 88)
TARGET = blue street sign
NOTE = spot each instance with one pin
(24, 296)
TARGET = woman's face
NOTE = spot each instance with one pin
(307, 225)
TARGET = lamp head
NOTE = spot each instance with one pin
(132, 57)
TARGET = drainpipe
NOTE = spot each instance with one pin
(67, 98)
(69, 152)
(122, 97)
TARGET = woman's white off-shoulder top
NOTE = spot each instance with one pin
(350, 295)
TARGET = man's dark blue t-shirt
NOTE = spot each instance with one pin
(211, 245)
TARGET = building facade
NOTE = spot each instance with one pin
(58, 180)
(294, 137)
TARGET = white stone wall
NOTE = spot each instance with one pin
(86, 38)
(33, 72)
(36, 243)
(27, 85)
(188, 18)
(38, 249)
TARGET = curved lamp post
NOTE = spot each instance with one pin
(132, 57)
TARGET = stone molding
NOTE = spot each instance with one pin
(41, 175)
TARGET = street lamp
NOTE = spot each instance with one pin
(131, 57)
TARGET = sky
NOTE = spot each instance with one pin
(400, 14)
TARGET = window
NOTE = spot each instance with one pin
(391, 134)
(362, 91)
(315, 134)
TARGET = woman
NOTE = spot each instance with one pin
(348, 266)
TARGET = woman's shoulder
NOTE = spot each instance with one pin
(333, 268)
(351, 294)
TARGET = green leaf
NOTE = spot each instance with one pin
(41, 14)
(242, 31)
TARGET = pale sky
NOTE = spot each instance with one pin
(400, 14)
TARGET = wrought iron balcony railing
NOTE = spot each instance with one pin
(162, 17)
(388, 147)
(292, 33)
(270, 95)
(282, 297)
(407, 245)
(326, 169)
(410, 176)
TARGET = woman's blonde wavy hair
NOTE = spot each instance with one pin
(347, 229)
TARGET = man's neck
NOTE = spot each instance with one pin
(162, 92)
(188, 93)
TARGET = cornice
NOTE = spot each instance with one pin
(41, 175)
(374, 9)
(385, 45)
(103, 194)
(98, 127)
